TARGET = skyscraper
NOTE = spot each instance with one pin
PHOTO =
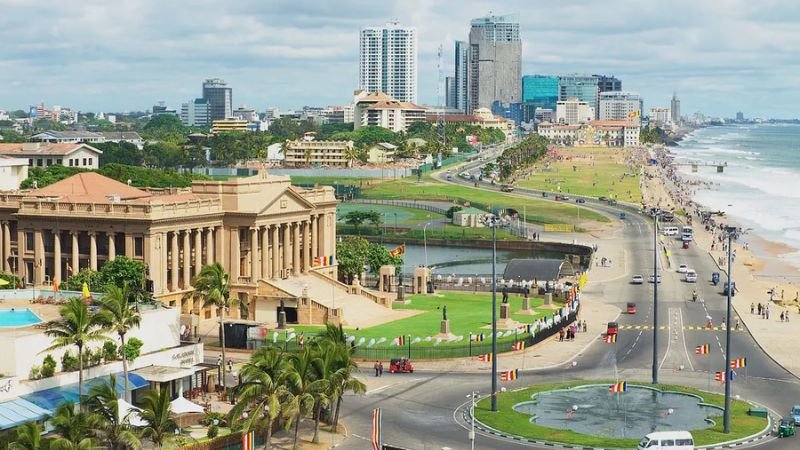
(495, 62)
(195, 113)
(608, 84)
(541, 91)
(675, 108)
(388, 61)
(583, 87)
(219, 97)
(450, 92)
(619, 105)
(461, 74)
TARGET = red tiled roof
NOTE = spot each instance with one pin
(91, 187)
(42, 149)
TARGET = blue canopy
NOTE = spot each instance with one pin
(18, 411)
(49, 399)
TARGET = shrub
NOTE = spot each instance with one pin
(96, 357)
(132, 349)
(48, 366)
(36, 372)
(213, 431)
(211, 416)
(452, 210)
(69, 362)
(110, 351)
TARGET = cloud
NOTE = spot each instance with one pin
(720, 55)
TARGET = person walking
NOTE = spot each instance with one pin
(561, 335)
(377, 368)
(752, 308)
(380, 369)
(759, 308)
(781, 316)
(584, 326)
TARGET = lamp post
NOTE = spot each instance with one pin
(655, 295)
(472, 421)
(726, 417)
(491, 221)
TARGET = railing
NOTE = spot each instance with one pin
(404, 204)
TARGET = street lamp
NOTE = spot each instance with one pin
(732, 232)
(656, 213)
(472, 420)
(492, 221)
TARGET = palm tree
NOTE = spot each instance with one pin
(301, 382)
(73, 429)
(29, 437)
(156, 412)
(263, 399)
(213, 286)
(341, 380)
(119, 316)
(76, 327)
(112, 429)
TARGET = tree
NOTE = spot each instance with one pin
(351, 256)
(165, 127)
(107, 423)
(156, 413)
(11, 136)
(76, 327)
(372, 134)
(358, 217)
(213, 286)
(73, 429)
(118, 315)
(262, 393)
(122, 270)
(302, 384)
(378, 255)
(452, 210)
(120, 153)
(29, 437)
(338, 356)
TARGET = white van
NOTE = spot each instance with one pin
(670, 231)
(687, 230)
(667, 440)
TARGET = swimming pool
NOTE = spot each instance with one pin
(20, 317)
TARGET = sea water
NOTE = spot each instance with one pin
(760, 185)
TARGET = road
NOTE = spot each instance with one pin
(421, 410)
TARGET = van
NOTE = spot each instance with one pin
(687, 237)
(687, 230)
(667, 440)
(670, 231)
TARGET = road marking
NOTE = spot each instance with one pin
(683, 338)
(669, 342)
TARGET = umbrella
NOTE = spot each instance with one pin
(126, 409)
(86, 293)
(182, 406)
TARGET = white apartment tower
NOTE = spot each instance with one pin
(389, 61)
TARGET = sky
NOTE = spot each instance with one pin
(720, 56)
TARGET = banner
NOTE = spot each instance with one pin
(249, 440)
(376, 429)
(323, 261)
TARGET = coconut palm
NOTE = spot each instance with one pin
(29, 437)
(72, 428)
(213, 286)
(301, 382)
(76, 327)
(262, 398)
(340, 379)
(110, 428)
(156, 412)
(118, 315)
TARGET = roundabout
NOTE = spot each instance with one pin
(588, 414)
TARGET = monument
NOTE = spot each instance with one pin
(506, 322)
(281, 317)
(445, 326)
(526, 303)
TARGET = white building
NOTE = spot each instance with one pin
(660, 116)
(611, 133)
(573, 111)
(388, 61)
(620, 105)
(39, 154)
(307, 152)
(196, 113)
(378, 109)
(13, 171)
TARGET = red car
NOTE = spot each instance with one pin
(612, 328)
(400, 365)
(631, 308)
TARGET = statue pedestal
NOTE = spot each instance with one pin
(282, 320)
(548, 301)
(445, 327)
(505, 311)
(506, 322)
(526, 307)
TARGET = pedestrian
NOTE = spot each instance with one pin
(219, 361)
(781, 294)
(584, 325)
(787, 315)
(376, 368)
(561, 335)
(380, 369)
(737, 323)
(766, 315)
(781, 316)
(759, 308)
(230, 365)
(752, 308)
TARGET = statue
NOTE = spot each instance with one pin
(505, 295)
(282, 306)
(444, 312)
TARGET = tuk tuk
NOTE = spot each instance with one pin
(622, 215)
(612, 328)
(685, 244)
(715, 278)
(400, 365)
(631, 308)
(785, 428)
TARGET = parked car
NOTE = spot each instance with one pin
(561, 197)
(507, 188)
(603, 199)
(682, 268)
(652, 278)
(794, 414)
(580, 200)
(691, 276)
(637, 279)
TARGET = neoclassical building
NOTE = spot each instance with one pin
(261, 229)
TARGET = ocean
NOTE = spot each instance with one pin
(758, 188)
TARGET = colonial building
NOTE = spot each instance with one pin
(612, 133)
(381, 110)
(40, 154)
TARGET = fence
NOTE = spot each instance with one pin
(404, 204)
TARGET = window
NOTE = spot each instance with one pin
(90, 161)
(39, 162)
(84, 161)
(60, 162)
(29, 241)
(138, 246)
(667, 443)
(49, 161)
(688, 442)
(30, 162)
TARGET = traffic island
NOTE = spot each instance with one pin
(612, 415)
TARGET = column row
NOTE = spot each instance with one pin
(184, 253)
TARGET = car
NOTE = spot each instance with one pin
(637, 279)
(612, 202)
(652, 278)
(561, 197)
(603, 199)
(794, 414)
(725, 289)
(631, 308)
(682, 268)
(785, 428)
(668, 217)
(400, 365)
(580, 200)
(544, 194)
(612, 328)
(507, 188)
(691, 276)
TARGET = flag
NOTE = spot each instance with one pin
(330, 260)
(86, 293)
(701, 349)
(376, 429)
(519, 345)
(509, 375)
(485, 358)
(633, 114)
(400, 250)
(610, 339)
(622, 386)
(248, 440)
(738, 363)
(720, 376)
(400, 340)
(479, 337)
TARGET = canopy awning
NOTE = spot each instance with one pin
(125, 409)
(49, 399)
(18, 411)
(182, 405)
(163, 374)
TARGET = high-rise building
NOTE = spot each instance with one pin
(450, 92)
(540, 91)
(740, 116)
(584, 87)
(388, 61)
(620, 105)
(195, 113)
(675, 108)
(574, 111)
(219, 97)
(495, 62)
(461, 74)
(660, 116)
(608, 84)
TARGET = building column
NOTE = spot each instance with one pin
(76, 250)
(321, 234)
(22, 269)
(198, 250)
(255, 267)
(314, 237)
(112, 247)
(93, 250)
(209, 246)
(306, 246)
(6, 250)
(187, 258)
(296, 263)
(264, 252)
(3, 246)
(236, 254)
(332, 235)
(287, 246)
(163, 248)
(276, 257)
(38, 258)
(219, 247)
(175, 254)
(57, 257)
(129, 246)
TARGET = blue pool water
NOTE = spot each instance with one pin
(18, 318)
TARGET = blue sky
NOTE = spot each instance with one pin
(721, 56)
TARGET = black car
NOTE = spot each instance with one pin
(580, 200)
(603, 199)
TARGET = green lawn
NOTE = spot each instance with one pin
(519, 424)
(604, 174)
(449, 232)
(330, 181)
(392, 215)
(538, 211)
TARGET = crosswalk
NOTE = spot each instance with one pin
(687, 328)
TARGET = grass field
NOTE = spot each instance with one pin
(449, 232)
(392, 215)
(592, 171)
(330, 181)
(519, 424)
(538, 211)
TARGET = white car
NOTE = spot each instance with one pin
(691, 276)
(652, 279)
(637, 279)
(683, 268)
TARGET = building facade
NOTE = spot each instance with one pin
(541, 91)
(574, 111)
(608, 83)
(620, 105)
(495, 62)
(230, 125)
(307, 152)
(461, 74)
(611, 133)
(388, 61)
(381, 110)
(219, 97)
(583, 87)
(196, 113)
(39, 154)
(13, 171)
(660, 116)
(450, 92)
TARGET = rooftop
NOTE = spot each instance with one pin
(90, 187)
(41, 148)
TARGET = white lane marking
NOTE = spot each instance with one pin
(669, 341)
(387, 386)
(683, 338)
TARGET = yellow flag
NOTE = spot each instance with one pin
(86, 293)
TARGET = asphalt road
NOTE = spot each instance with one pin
(421, 410)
